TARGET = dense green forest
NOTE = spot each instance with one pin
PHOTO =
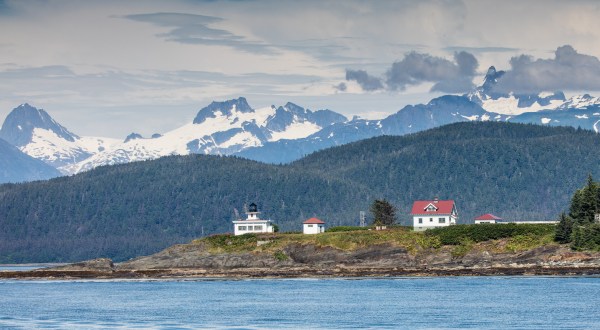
(519, 172)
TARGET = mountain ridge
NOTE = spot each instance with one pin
(282, 134)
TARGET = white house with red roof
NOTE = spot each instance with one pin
(433, 213)
(313, 226)
(252, 224)
(487, 218)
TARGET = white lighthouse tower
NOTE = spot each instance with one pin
(252, 223)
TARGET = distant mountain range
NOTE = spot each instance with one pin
(281, 134)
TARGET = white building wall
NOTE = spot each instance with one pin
(432, 221)
(242, 227)
(313, 228)
(478, 222)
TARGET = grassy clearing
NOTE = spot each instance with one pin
(343, 240)
(463, 238)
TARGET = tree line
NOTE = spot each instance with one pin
(581, 226)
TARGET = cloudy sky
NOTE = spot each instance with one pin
(108, 68)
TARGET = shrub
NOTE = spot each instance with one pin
(229, 242)
(454, 235)
(586, 238)
(345, 228)
(280, 255)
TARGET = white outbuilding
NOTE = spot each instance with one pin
(487, 218)
(252, 224)
(313, 226)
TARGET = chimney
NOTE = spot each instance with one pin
(435, 200)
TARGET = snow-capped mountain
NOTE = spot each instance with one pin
(223, 128)
(36, 134)
(286, 133)
(410, 119)
(511, 104)
(546, 108)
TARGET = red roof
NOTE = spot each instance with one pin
(314, 221)
(442, 207)
(488, 216)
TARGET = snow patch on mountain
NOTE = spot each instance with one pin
(54, 150)
(510, 105)
(296, 130)
(580, 102)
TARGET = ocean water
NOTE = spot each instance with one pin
(393, 303)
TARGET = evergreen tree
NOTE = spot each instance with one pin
(384, 213)
(577, 239)
(576, 210)
(564, 229)
(584, 203)
(590, 197)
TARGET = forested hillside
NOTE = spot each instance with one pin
(522, 172)
(519, 172)
(134, 209)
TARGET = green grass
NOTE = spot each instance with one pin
(463, 238)
(343, 240)
(454, 235)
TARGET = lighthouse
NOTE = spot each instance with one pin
(252, 223)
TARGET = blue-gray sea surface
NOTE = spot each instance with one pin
(394, 303)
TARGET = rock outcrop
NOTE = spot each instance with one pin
(310, 260)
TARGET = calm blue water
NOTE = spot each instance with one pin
(432, 303)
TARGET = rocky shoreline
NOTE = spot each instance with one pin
(308, 260)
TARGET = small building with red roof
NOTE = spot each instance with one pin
(434, 213)
(487, 218)
(313, 226)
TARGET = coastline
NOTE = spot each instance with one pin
(299, 272)
(299, 256)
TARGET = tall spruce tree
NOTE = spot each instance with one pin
(564, 229)
(590, 202)
(584, 204)
(576, 209)
(384, 213)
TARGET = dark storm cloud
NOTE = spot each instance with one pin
(416, 68)
(567, 71)
(195, 29)
(448, 76)
(366, 81)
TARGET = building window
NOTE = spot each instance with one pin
(442, 220)
(258, 228)
(241, 228)
(310, 226)
(430, 219)
(420, 220)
